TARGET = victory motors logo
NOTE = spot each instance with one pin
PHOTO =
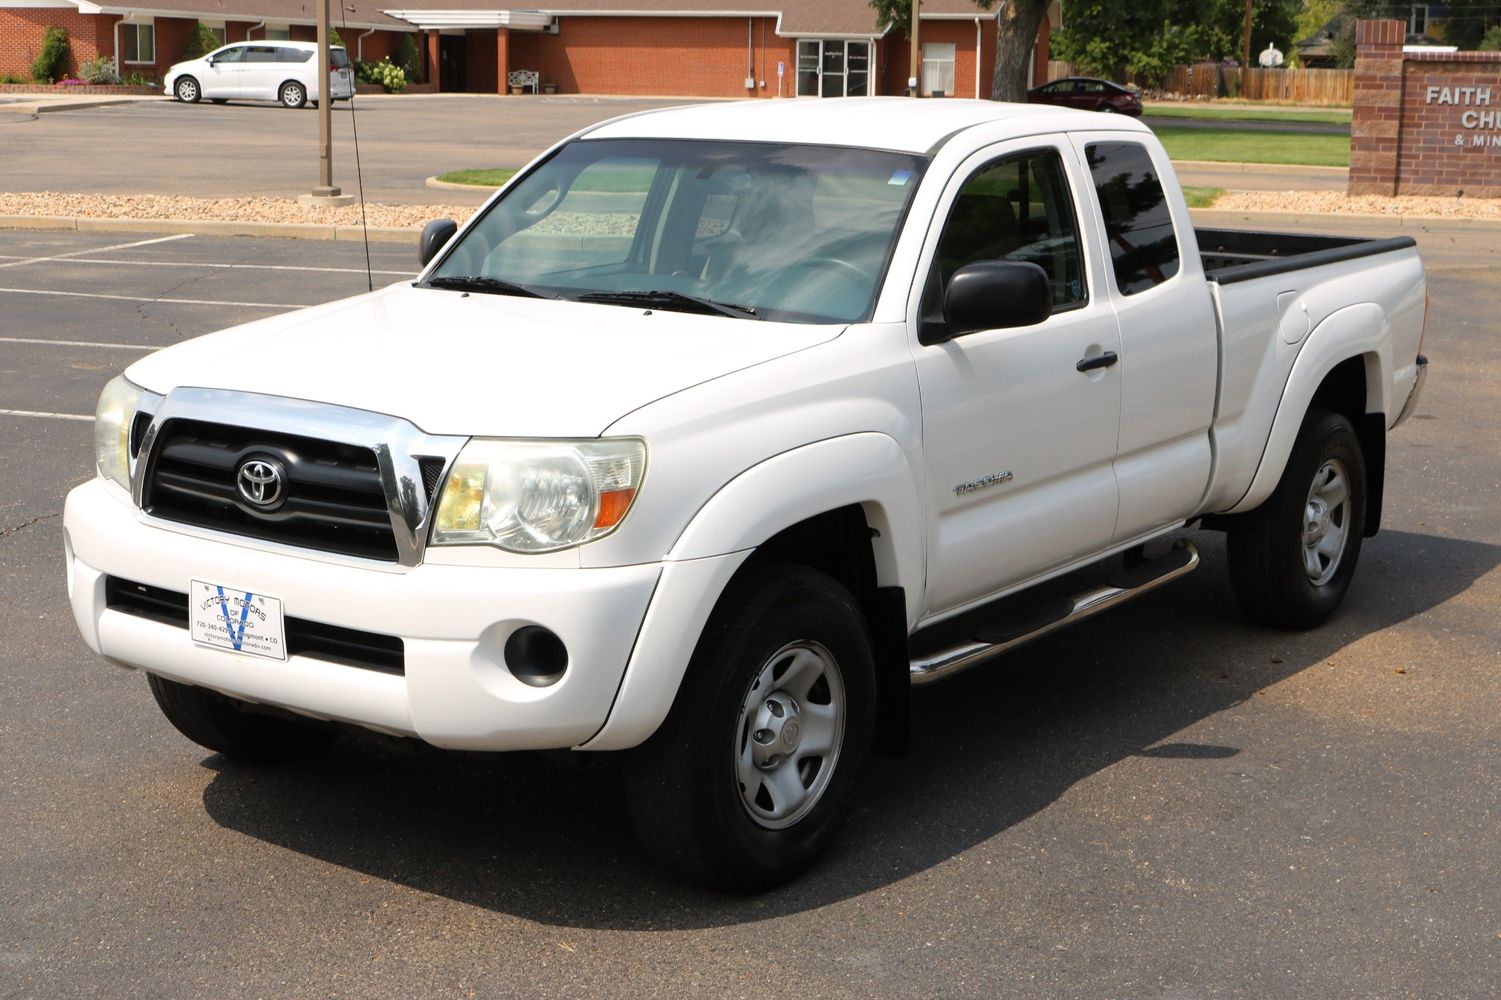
(261, 482)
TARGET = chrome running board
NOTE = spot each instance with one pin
(994, 640)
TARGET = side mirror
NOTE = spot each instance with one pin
(994, 295)
(435, 235)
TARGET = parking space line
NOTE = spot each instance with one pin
(152, 298)
(82, 343)
(195, 263)
(45, 415)
(117, 246)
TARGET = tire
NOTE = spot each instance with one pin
(736, 790)
(186, 90)
(1292, 559)
(221, 723)
(292, 94)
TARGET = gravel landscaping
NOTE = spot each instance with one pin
(149, 206)
(413, 216)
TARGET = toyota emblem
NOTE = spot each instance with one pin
(261, 482)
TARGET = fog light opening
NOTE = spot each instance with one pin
(536, 656)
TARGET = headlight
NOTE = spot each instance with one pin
(112, 420)
(535, 496)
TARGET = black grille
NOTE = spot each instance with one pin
(316, 640)
(333, 499)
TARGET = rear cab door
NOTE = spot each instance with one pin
(1018, 443)
(1169, 366)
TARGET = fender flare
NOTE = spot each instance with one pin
(1361, 330)
(868, 469)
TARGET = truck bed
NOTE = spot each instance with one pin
(1232, 255)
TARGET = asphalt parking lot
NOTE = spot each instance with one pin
(1166, 802)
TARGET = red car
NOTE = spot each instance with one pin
(1087, 94)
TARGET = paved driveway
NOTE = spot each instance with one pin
(1165, 802)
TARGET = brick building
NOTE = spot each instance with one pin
(690, 48)
(149, 37)
(711, 48)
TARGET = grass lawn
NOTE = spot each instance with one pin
(1202, 197)
(1208, 112)
(1234, 145)
(492, 177)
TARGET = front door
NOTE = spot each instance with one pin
(1019, 443)
(451, 73)
(833, 67)
(222, 77)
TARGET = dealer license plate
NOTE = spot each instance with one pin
(227, 618)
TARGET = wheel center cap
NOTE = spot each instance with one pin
(776, 730)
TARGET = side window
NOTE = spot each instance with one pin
(1017, 208)
(1138, 226)
(261, 54)
(233, 54)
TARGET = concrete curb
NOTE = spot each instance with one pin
(214, 227)
(1288, 169)
(433, 182)
(1425, 223)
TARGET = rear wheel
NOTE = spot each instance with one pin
(187, 90)
(1292, 559)
(752, 773)
(231, 727)
(292, 94)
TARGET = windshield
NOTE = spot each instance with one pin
(747, 230)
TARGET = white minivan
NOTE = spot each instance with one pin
(261, 71)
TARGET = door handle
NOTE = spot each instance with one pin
(1098, 361)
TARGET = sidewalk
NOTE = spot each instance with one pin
(41, 104)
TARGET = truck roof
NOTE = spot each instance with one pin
(897, 123)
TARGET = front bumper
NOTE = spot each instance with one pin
(453, 621)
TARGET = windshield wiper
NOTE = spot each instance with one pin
(672, 300)
(478, 283)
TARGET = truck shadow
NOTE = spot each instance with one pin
(545, 837)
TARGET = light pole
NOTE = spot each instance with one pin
(325, 195)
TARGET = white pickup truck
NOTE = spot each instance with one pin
(718, 428)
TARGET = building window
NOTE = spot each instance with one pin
(833, 67)
(217, 30)
(279, 33)
(138, 43)
(938, 69)
(1417, 20)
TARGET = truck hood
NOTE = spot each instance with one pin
(476, 364)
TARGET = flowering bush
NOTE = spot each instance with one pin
(385, 73)
(99, 70)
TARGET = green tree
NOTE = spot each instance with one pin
(1016, 30)
(1147, 37)
(201, 41)
(51, 63)
(1491, 40)
(408, 58)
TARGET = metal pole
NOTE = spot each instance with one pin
(914, 80)
(325, 188)
(1245, 45)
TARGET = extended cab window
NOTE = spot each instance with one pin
(1017, 208)
(1143, 246)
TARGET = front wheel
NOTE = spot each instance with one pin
(231, 727)
(1292, 559)
(293, 94)
(187, 90)
(752, 773)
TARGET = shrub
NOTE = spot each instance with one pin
(1491, 41)
(100, 69)
(385, 73)
(333, 36)
(138, 79)
(12, 78)
(52, 62)
(408, 58)
(201, 41)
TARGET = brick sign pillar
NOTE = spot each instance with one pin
(1377, 121)
(1425, 123)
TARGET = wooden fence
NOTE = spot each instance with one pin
(1326, 87)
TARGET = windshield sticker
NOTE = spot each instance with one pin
(900, 177)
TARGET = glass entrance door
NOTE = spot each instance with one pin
(833, 67)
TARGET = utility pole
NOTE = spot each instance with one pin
(914, 79)
(1245, 45)
(325, 194)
